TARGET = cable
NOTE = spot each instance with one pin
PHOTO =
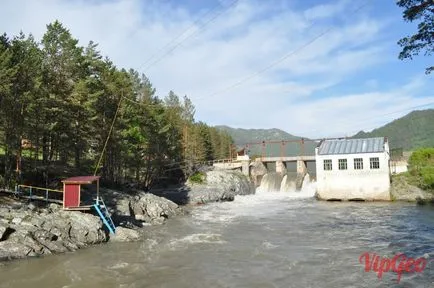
(179, 35)
(283, 58)
(108, 136)
(189, 36)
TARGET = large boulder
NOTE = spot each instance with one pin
(134, 208)
(220, 185)
(152, 209)
(125, 235)
(29, 232)
(10, 250)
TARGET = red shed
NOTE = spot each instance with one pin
(72, 191)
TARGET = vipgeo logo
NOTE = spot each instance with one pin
(399, 264)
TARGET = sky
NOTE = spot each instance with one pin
(314, 68)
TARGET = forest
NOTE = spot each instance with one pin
(62, 105)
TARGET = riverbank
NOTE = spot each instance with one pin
(36, 229)
(404, 188)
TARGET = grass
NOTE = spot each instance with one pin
(198, 178)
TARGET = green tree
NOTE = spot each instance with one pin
(7, 74)
(62, 70)
(422, 165)
(421, 11)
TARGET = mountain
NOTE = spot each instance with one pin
(412, 131)
(243, 136)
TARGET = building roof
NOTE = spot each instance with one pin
(81, 180)
(351, 146)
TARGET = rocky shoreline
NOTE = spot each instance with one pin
(401, 190)
(37, 229)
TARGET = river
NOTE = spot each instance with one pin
(270, 239)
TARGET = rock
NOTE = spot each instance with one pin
(123, 207)
(38, 232)
(10, 250)
(17, 221)
(85, 228)
(53, 207)
(125, 235)
(31, 207)
(44, 235)
(152, 209)
(220, 185)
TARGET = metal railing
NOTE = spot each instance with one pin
(34, 192)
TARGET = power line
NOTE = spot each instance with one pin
(198, 19)
(278, 61)
(108, 136)
(191, 35)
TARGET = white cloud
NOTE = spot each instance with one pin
(346, 115)
(242, 40)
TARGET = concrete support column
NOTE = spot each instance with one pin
(280, 167)
(245, 168)
(301, 167)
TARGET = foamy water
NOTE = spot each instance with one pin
(261, 204)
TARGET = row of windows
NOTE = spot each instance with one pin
(374, 163)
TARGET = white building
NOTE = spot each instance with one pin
(353, 169)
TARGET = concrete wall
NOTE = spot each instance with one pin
(397, 167)
(367, 184)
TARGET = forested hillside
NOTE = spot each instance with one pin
(243, 136)
(412, 131)
(58, 101)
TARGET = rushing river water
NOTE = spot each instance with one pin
(271, 239)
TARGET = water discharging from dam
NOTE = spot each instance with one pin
(289, 182)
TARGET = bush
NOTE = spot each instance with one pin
(422, 167)
(427, 174)
(422, 158)
(198, 178)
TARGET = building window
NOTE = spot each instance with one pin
(358, 163)
(374, 163)
(343, 164)
(327, 165)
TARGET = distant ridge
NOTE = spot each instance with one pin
(242, 136)
(412, 131)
